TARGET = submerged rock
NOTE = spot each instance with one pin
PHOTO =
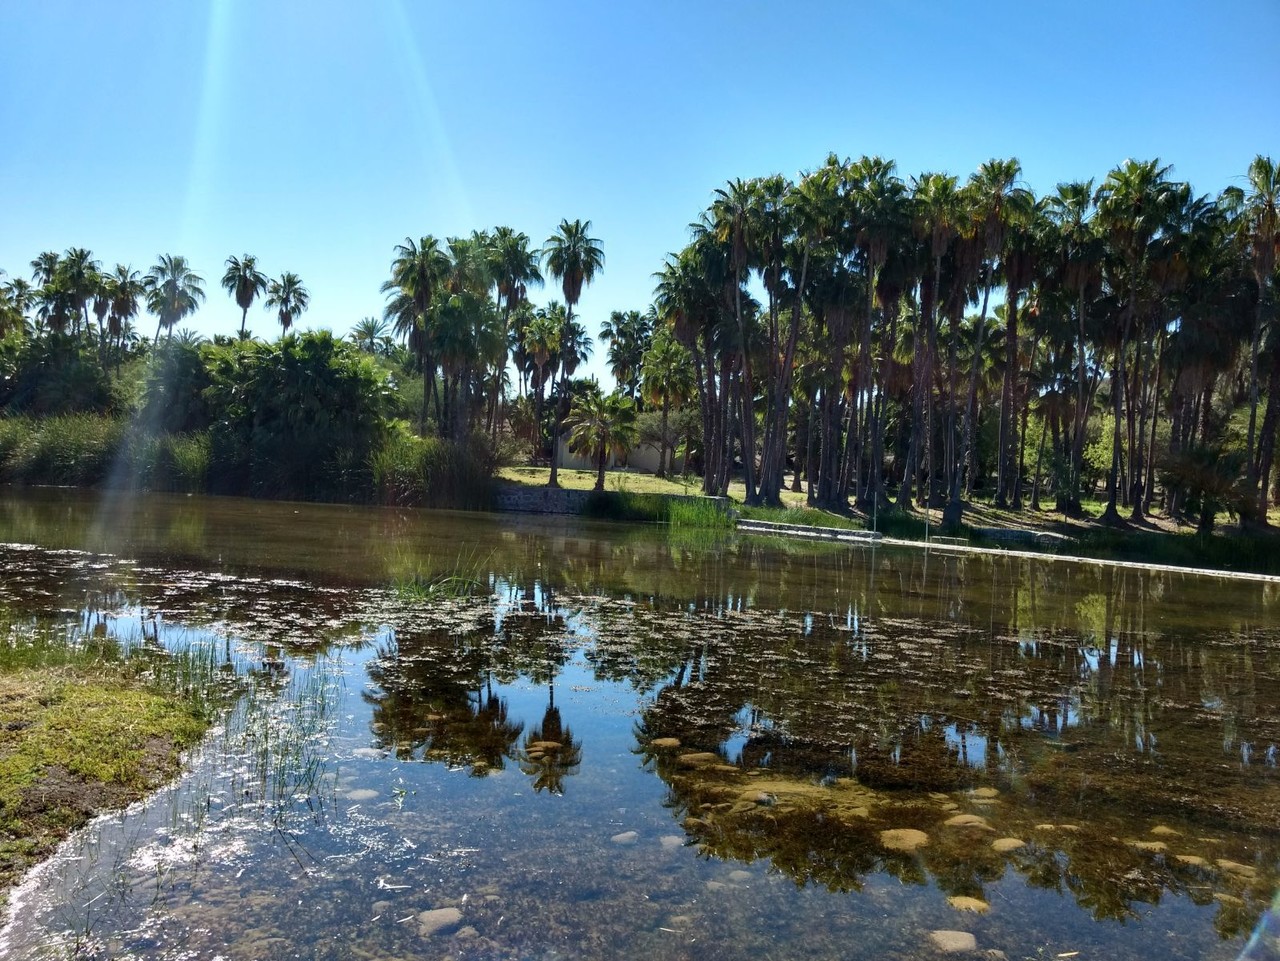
(1192, 859)
(671, 841)
(968, 821)
(362, 794)
(1005, 845)
(698, 759)
(665, 743)
(984, 794)
(1236, 868)
(438, 920)
(903, 840)
(962, 903)
(1151, 847)
(625, 837)
(953, 942)
(1165, 832)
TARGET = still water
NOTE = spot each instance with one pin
(499, 737)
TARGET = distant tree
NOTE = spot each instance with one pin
(372, 335)
(244, 282)
(628, 334)
(289, 298)
(174, 291)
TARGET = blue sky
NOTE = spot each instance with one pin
(318, 135)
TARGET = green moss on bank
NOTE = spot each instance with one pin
(76, 740)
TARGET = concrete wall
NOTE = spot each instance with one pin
(642, 458)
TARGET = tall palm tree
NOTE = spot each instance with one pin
(174, 291)
(600, 425)
(1133, 204)
(542, 341)
(1080, 273)
(289, 297)
(1260, 225)
(667, 376)
(125, 289)
(45, 267)
(417, 276)
(81, 276)
(244, 282)
(573, 257)
(997, 198)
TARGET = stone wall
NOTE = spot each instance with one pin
(523, 499)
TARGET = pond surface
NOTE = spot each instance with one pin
(500, 737)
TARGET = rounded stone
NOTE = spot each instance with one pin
(953, 942)
(968, 821)
(437, 920)
(1005, 845)
(962, 903)
(903, 840)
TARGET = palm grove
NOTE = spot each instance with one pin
(875, 338)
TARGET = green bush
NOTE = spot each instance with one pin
(410, 471)
(55, 374)
(69, 449)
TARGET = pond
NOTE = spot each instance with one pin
(507, 737)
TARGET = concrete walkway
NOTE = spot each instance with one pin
(952, 545)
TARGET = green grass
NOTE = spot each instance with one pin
(86, 725)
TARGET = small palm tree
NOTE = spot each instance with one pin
(601, 425)
(174, 291)
(245, 282)
(372, 335)
(289, 297)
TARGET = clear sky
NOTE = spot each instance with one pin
(318, 134)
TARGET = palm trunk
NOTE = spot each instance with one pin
(1007, 428)
(970, 409)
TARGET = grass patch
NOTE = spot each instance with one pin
(85, 726)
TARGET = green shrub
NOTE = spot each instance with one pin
(410, 471)
(68, 449)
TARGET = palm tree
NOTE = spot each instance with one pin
(600, 425)
(124, 289)
(81, 278)
(245, 282)
(667, 370)
(997, 198)
(542, 341)
(628, 333)
(573, 257)
(1133, 203)
(372, 335)
(45, 267)
(1080, 265)
(289, 297)
(174, 291)
(417, 276)
(1260, 226)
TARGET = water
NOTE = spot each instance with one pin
(633, 745)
